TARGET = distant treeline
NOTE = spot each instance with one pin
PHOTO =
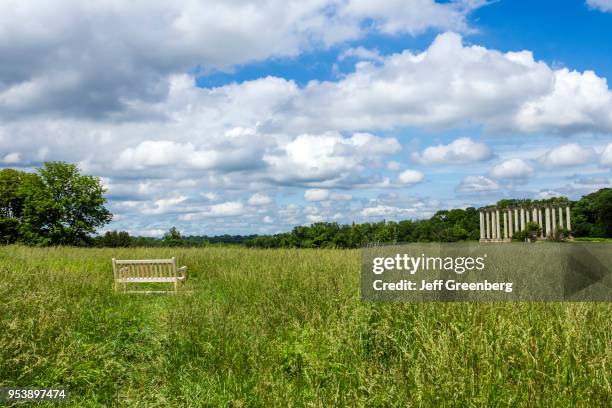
(171, 238)
(591, 217)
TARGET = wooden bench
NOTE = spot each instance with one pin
(148, 271)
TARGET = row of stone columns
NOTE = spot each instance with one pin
(515, 219)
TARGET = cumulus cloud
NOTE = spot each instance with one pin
(11, 158)
(449, 85)
(259, 199)
(602, 5)
(312, 158)
(570, 154)
(393, 165)
(512, 169)
(164, 205)
(318, 194)
(410, 177)
(545, 194)
(226, 209)
(477, 184)
(412, 16)
(606, 156)
(459, 151)
(55, 58)
(361, 53)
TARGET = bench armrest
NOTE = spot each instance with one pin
(183, 272)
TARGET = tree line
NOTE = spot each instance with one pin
(56, 205)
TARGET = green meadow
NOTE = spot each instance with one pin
(284, 327)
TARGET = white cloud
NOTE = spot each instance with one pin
(340, 197)
(97, 59)
(210, 196)
(386, 211)
(512, 169)
(578, 102)
(11, 158)
(606, 156)
(329, 156)
(361, 53)
(410, 177)
(450, 85)
(459, 151)
(268, 220)
(235, 150)
(570, 154)
(411, 16)
(318, 194)
(393, 165)
(602, 5)
(545, 194)
(164, 205)
(259, 199)
(477, 184)
(226, 209)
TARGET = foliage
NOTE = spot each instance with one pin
(560, 235)
(445, 226)
(173, 237)
(55, 206)
(592, 215)
(114, 239)
(520, 236)
(11, 204)
(533, 230)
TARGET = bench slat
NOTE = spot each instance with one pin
(142, 261)
(148, 279)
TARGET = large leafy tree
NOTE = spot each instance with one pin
(61, 206)
(592, 214)
(11, 204)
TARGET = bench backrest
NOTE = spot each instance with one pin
(144, 268)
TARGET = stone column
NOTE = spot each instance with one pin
(482, 225)
(488, 218)
(554, 220)
(560, 218)
(567, 218)
(534, 215)
(506, 224)
(540, 222)
(516, 220)
(498, 225)
(547, 219)
(522, 219)
(510, 232)
(493, 225)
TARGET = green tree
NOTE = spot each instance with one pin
(114, 239)
(173, 237)
(61, 206)
(11, 204)
(592, 215)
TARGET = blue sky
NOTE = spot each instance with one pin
(256, 116)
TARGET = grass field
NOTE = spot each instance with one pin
(284, 328)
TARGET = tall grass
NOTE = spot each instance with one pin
(284, 328)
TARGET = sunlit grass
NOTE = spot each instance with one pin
(284, 328)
